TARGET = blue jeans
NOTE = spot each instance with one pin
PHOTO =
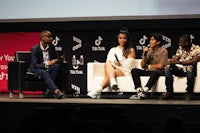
(49, 76)
(180, 73)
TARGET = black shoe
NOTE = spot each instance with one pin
(58, 94)
(188, 96)
(115, 87)
(48, 94)
(166, 96)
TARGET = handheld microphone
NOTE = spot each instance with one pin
(148, 46)
(145, 52)
(116, 57)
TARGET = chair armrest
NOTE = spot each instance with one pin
(16, 75)
(198, 69)
(95, 69)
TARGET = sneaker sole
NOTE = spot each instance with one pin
(92, 96)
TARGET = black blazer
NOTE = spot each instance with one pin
(37, 57)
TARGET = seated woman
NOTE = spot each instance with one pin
(120, 61)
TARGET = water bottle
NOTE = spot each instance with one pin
(73, 60)
(81, 60)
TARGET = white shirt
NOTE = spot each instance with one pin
(127, 64)
(45, 54)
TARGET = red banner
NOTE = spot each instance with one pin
(11, 42)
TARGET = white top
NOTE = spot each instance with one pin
(127, 64)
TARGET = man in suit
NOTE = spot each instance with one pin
(44, 63)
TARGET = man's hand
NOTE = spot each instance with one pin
(174, 60)
(54, 61)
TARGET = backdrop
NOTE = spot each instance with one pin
(80, 48)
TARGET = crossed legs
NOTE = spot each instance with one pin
(110, 78)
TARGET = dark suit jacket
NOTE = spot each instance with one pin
(37, 57)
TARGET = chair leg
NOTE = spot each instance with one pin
(21, 95)
(11, 94)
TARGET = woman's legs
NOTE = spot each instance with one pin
(110, 74)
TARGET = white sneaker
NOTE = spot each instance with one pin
(146, 89)
(94, 94)
(138, 96)
(139, 89)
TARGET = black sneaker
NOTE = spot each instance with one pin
(115, 87)
(58, 94)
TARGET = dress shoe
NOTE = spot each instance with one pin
(188, 96)
(58, 94)
(48, 94)
(166, 96)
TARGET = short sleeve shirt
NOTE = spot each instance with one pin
(188, 55)
(158, 56)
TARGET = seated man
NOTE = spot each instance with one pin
(44, 63)
(153, 62)
(182, 64)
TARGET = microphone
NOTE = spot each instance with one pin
(116, 57)
(148, 46)
(145, 53)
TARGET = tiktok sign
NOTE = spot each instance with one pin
(142, 43)
(97, 46)
(55, 42)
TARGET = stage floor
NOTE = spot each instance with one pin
(113, 115)
(105, 100)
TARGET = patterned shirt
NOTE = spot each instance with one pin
(188, 55)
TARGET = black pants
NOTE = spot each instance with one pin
(154, 75)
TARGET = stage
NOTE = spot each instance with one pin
(107, 114)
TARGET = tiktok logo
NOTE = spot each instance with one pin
(97, 46)
(142, 41)
(98, 41)
(55, 43)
